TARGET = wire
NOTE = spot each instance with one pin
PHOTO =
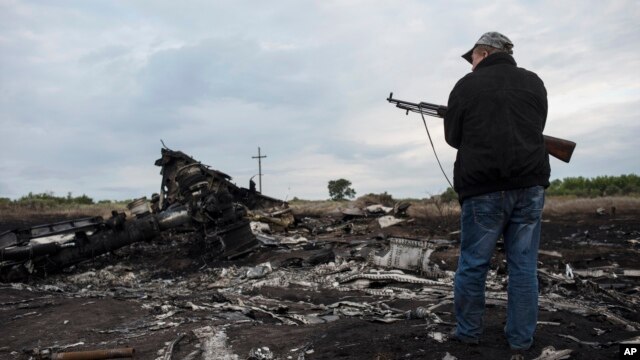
(434, 149)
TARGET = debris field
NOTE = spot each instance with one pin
(256, 279)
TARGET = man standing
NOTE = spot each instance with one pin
(495, 118)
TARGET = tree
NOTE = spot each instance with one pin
(340, 189)
(449, 195)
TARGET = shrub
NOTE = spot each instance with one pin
(449, 195)
(372, 199)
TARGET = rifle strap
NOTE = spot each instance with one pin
(434, 149)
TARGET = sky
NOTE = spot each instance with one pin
(88, 89)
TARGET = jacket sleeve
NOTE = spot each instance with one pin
(453, 118)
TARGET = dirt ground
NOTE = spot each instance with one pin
(147, 295)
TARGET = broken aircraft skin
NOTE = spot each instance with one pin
(192, 197)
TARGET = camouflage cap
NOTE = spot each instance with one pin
(493, 39)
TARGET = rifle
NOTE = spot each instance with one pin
(559, 148)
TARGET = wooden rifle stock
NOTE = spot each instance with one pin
(559, 148)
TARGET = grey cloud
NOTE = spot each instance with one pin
(124, 190)
(5, 189)
(606, 139)
(233, 68)
(104, 54)
(89, 88)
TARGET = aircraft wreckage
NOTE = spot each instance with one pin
(207, 270)
(192, 196)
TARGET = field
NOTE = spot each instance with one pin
(148, 295)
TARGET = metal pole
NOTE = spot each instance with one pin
(259, 157)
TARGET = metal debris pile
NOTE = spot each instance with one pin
(193, 198)
(205, 256)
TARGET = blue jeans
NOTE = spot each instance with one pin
(515, 215)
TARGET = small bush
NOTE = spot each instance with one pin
(612, 190)
(372, 199)
(449, 195)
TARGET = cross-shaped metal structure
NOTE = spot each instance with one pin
(259, 157)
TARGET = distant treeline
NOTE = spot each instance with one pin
(627, 185)
(623, 185)
(49, 199)
(597, 186)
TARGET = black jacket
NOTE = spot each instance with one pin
(495, 119)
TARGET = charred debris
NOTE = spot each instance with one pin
(193, 198)
(253, 263)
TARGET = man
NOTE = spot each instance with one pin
(495, 119)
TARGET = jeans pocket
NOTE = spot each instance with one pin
(488, 212)
(532, 204)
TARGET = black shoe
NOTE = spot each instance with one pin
(464, 339)
(518, 354)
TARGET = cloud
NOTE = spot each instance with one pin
(230, 68)
(89, 88)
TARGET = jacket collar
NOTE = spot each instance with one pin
(496, 59)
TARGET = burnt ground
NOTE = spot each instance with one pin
(149, 294)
